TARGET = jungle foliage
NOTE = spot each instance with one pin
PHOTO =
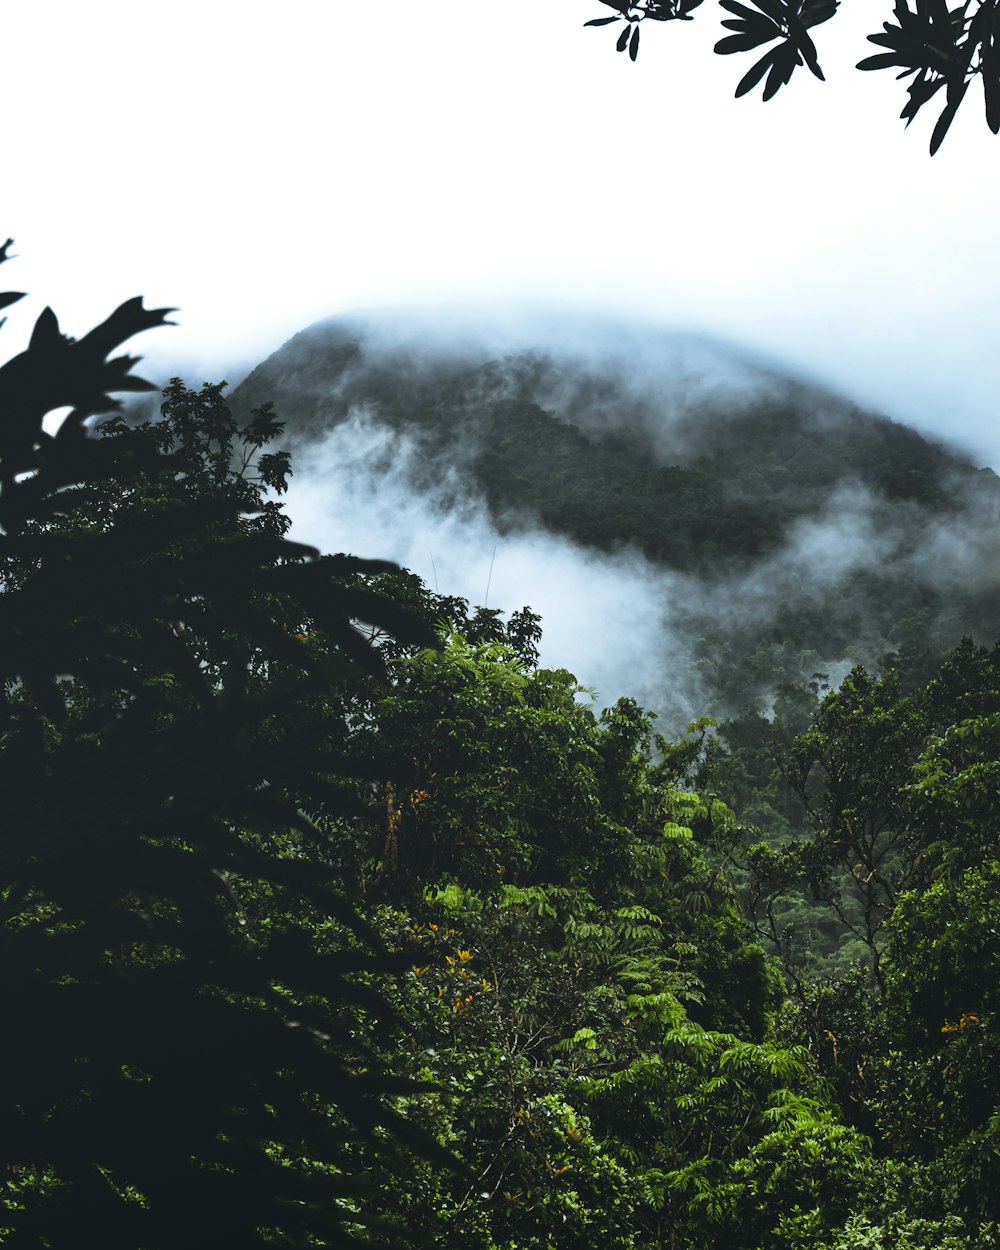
(184, 1060)
(330, 918)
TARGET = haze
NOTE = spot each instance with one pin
(262, 167)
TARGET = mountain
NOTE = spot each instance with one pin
(793, 531)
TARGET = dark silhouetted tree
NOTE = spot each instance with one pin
(186, 1056)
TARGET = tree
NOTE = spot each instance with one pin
(184, 1057)
(940, 48)
(583, 991)
(849, 769)
(936, 1090)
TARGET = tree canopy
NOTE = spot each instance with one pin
(331, 919)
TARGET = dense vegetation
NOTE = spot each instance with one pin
(322, 935)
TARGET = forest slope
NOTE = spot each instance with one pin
(808, 532)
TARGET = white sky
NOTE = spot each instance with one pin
(263, 165)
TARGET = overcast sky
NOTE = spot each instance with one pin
(263, 165)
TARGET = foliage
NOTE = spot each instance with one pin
(590, 1105)
(941, 47)
(894, 789)
(244, 783)
(182, 1067)
(915, 1067)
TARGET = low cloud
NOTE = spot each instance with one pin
(372, 480)
(605, 618)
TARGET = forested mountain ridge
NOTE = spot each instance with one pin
(809, 534)
(690, 472)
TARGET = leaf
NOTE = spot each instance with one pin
(633, 48)
(46, 333)
(816, 14)
(753, 76)
(601, 21)
(623, 38)
(882, 60)
(751, 15)
(991, 86)
(785, 60)
(127, 320)
(920, 91)
(740, 43)
(807, 48)
(774, 10)
(955, 97)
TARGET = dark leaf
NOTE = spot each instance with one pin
(991, 86)
(623, 38)
(785, 61)
(956, 95)
(750, 15)
(741, 43)
(882, 60)
(753, 76)
(920, 91)
(816, 14)
(633, 48)
(808, 50)
(885, 41)
(775, 10)
(125, 322)
(46, 336)
(601, 21)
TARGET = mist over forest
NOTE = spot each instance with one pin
(695, 526)
(335, 918)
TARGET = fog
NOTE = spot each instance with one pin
(606, 619)
(623, 624)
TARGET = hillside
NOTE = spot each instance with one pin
(807, 531)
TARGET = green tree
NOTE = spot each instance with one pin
(849, 769)
(936, 1090)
